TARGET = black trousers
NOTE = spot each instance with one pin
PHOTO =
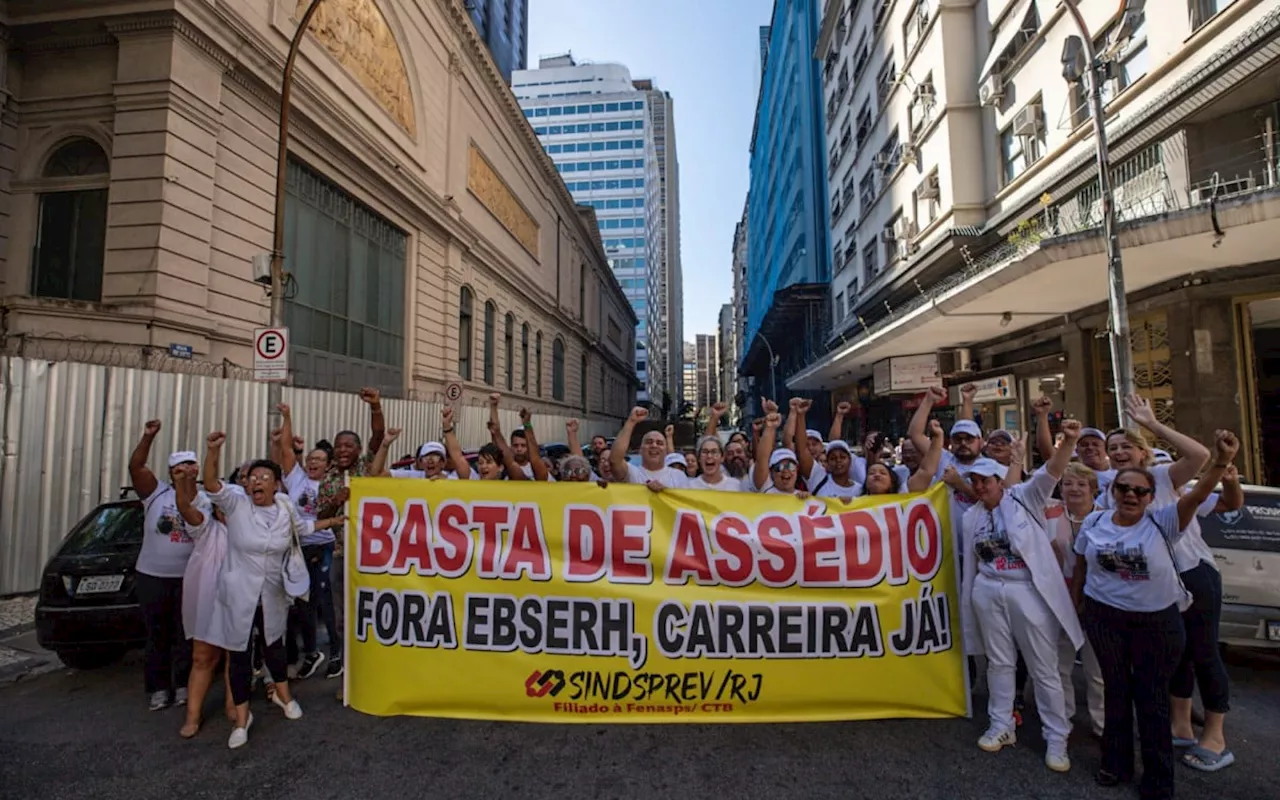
(1202, 660)
(168, 652)
(241, 663)
(305, 617)
(1138, 653)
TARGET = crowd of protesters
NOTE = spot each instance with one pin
(1093, 560)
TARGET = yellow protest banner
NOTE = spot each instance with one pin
(569, 602)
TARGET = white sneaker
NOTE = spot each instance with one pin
(997, 738)
(159, 701)
(180, 696)
(240, 736)
(1056, 760)
(291, 709)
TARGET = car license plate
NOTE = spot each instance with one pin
(99, 584)
(1273, 630)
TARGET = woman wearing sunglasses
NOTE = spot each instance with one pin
(1132, 597)
(774, 471)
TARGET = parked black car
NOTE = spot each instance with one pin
(87, 612)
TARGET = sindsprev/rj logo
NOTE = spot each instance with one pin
(541, 684)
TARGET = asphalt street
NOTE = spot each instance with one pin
(71, 734)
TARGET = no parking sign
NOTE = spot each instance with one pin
(271, 354)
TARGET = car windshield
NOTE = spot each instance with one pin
(109, 529)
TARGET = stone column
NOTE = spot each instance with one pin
(167, 98)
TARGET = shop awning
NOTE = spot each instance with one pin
(1058, 277)
(1024, 15)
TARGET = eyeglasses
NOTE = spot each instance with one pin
(260, 478)
(1137, 491)
(577, 471)
(961, 438)
(711, 451)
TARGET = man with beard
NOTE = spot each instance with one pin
(735, 459)
(966, 447)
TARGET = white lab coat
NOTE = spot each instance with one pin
(200, 617)
(1029, 540)
(251, 571)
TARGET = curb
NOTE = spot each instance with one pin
(26, 668)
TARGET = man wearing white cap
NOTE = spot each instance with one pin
(429, 464)
(166, 548)
(966, 447)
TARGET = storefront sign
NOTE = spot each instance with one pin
(906, 374)
(995, 389)
(566, 602)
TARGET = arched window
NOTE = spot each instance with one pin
(582, 381)
(466, 334)
(524, 358)
(72, 231)
(510, 341)
(490, 337)
(537, 361)
(557, 369)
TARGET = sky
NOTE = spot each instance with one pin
(706, 54)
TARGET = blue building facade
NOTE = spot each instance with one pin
(788, 260)
(504, 26)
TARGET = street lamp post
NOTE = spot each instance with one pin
(275, 390)
(1121, 355)
(773, 361)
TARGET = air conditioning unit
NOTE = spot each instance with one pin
(930, 189)
(1029, 121)
(904, 228)
(885, 160)
(991, 92)
(954, 362)
(887, 236)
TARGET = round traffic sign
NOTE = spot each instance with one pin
(270, 344)
(453, 392)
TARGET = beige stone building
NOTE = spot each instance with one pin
(428, 237)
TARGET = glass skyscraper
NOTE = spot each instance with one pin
(504, 26)
(597, 126)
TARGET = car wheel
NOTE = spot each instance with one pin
(94, 658)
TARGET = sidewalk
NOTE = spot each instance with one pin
(20, 656)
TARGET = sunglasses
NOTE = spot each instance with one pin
(1138, 491)
(577, 471)
(785, 466)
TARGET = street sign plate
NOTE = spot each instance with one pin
(271, 354)
(453, 392)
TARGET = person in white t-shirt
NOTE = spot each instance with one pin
(1079, 487)
(881, 478)
(1012, 589)
(1127, 573)
(712, 475)
(773, 471)
(166, 548)
(652, 471)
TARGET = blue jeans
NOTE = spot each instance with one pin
(319, 608)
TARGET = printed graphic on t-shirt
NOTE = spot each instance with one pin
(1128, 563)
(171, 524)
(307, 501)
(992, 547)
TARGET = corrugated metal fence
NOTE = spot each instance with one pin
(69, 429)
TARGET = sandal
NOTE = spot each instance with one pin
(189, 730)
(1204, 760)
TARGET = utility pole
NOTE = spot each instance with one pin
(1121, 354)
(275, 391)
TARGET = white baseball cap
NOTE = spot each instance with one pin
(988, 468)
(431, 448)
(182, 457)
(780, 455)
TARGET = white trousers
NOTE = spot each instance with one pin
(1092, 681)
(1012, 617)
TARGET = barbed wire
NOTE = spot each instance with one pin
(55, 347)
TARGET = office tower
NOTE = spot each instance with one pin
(504, 27)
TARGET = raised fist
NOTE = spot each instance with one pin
(371, 396)
(391, 435)
(216, 439)
(571, 426)
(1071, 431)
(968, 391)
(844, 407)
(152, 427)
(1225, 446)
(1042, 405)
(639, 414)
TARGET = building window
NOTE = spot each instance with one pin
(885, 82)
(524, 358)
(490, 340)
(537, 362)
(870, 261)
(1023, 142)
(1204, 10)
(582, 291)
(914, 25)
(557, 369)
(582, 380)
(465, 332)
(346, 318)
(72, 233)
(840, 307)
(509, 342)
